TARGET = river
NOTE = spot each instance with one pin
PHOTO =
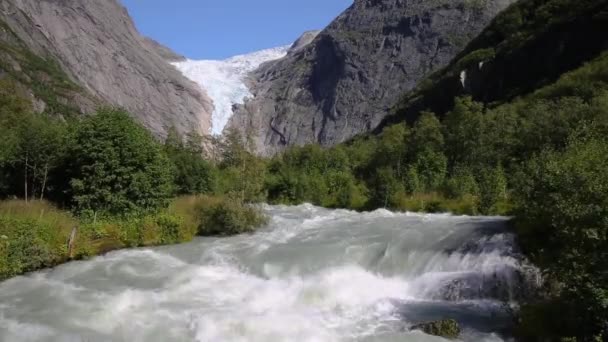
(312, 275)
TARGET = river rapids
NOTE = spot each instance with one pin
(312, 274)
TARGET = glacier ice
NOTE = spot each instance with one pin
(224, 80)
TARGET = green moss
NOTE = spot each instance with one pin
(447, 328)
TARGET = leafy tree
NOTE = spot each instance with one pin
(385, 185)
(426, 152)
(461, 183)
(116, 166)
(563, 205)
(392, 148)
(40, 150)
(242, 173)
(463, 128)
(193, 174)
(412, 181)
(492, 189)
(426, 134)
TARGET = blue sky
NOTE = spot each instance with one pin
(216, 29)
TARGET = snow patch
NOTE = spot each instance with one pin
(224, 80)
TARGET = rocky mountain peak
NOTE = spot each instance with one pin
(347, 79)
(305, 39)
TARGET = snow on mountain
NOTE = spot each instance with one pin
(224, 80)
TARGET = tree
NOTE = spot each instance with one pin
(461, 183)
(242, 173)
(426, 135)
(463, 128)
(192, 173)
(392, 148)
(492, 188)
(385, 186)
(116, 166)
(426, 152)
(41, 147)
(563, 206)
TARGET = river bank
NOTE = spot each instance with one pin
(36, 235)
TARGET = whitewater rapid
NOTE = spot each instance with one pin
(312, 275)
(225, 80)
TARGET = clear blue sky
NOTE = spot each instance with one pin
(216, 29)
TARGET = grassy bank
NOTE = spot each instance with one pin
(36, 235)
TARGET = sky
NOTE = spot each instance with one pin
(217, 29)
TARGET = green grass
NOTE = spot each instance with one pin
(437, 203)
(35, 235)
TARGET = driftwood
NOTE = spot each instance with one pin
(71, 242)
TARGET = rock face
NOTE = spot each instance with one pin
(97, 44)
(303, 41)
(348, 77)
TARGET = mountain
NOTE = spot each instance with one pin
(528, 46)
(348, 77)
(97, 47)
(226, 80)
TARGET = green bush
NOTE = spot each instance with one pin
(26, 245)
(34, 235)
(116, 167)
(169, 228)
(562, 211)
(229, 217)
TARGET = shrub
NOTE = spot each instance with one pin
(116, 167)
(229, 217)
(169, 228)
(32, 236)
(563, 205)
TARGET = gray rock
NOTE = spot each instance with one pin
(99, 47)
(347, 79)
(305, 39)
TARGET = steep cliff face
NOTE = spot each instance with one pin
(98, 46)
(344, 82)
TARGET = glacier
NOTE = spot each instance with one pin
(224, 80)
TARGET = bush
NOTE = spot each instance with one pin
(563, 206)
(116, 167)
(229, 216)
(169, 228)
(32, 236)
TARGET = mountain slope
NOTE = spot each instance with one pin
(525, 48)
(346, 79)
(98, 46)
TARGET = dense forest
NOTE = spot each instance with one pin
(530, 144)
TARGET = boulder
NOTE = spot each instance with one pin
(447, 328)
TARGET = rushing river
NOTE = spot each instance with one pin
(311, 275)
